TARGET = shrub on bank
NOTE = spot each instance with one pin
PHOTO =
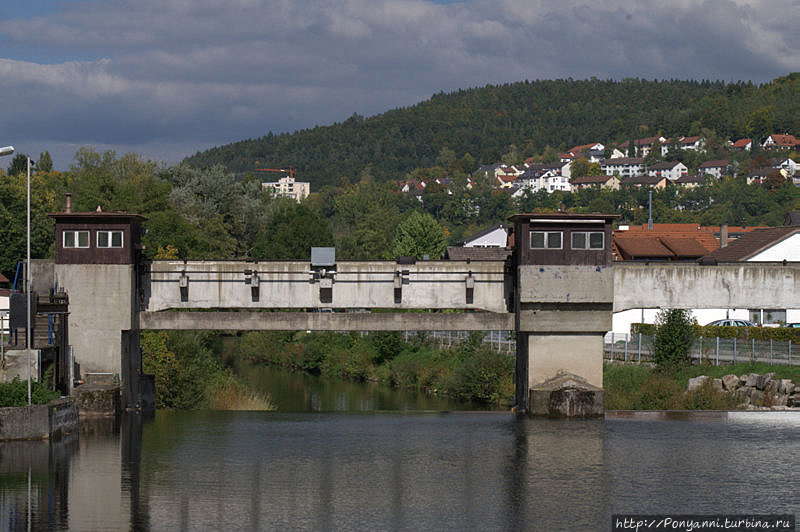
(469, 371)
(15, 393)
(188, 375)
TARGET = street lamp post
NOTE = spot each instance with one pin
(28, 284)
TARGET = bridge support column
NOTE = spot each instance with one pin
(564, 294)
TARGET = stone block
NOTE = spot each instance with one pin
(731, 382)
(752, 380)
(696, 382)
(786, 386)
(761, 384)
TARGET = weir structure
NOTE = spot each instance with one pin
(557, 291)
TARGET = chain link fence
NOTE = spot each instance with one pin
(639, 348)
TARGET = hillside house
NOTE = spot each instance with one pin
(781, 142)
(602, 181)
(671, 170)
(690, 181)
(717, 168)
(287, 187)
(643, 146)
(742, 145)
(648, 181)
(623, 166)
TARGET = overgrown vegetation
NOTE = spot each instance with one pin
(188, 375)
(469, 371)
(15, 393)
(635, 387)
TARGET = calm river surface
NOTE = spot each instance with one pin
(364, 458)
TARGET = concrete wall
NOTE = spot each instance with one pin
(328, 321)
(101, 305)
(691, 286)
(365, 284)
(38, 421)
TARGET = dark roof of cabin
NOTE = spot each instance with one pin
(565, 216)
(94, 216)
(750, 244)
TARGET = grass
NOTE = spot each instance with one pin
(232, 395)
(633, 387)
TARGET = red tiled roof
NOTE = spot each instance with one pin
(741, 143)
(785, 141)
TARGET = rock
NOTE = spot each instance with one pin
(764, 379)
(752, 380)
(771, 387)
(786, 386)
(743, 394)
(794, 400)
(743, 380)
(780, 399)
(757, 397)
(717, 384)
(696, 382)
(731, 382)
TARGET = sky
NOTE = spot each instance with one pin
(168, 78)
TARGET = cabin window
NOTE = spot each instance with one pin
(76, 239)
(109, 239)
(588, 240)
(546, 240)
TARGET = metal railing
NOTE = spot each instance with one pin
(715, 350)
(503, 341)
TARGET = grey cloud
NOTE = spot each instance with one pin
(185, 73)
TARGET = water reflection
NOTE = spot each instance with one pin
(299, 392)
(398, 470)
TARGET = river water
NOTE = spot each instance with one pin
(346, 457)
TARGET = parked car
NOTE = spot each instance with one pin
(793, 325)
(732, 323)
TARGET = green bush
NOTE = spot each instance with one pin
(675, 333)
(15, 393)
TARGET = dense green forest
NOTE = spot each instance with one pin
(481, 125)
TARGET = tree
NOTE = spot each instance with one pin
(292, 230)
(675, 334)
(550, 155)
(19, 165)
(581, 167)
(419, 235)
(45, 163)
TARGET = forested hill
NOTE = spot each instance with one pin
(486, 122)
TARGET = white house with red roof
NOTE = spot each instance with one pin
(781, 142)
(671, 170)
(742, 145)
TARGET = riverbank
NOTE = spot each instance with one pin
(641, 387)
(470, 371)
